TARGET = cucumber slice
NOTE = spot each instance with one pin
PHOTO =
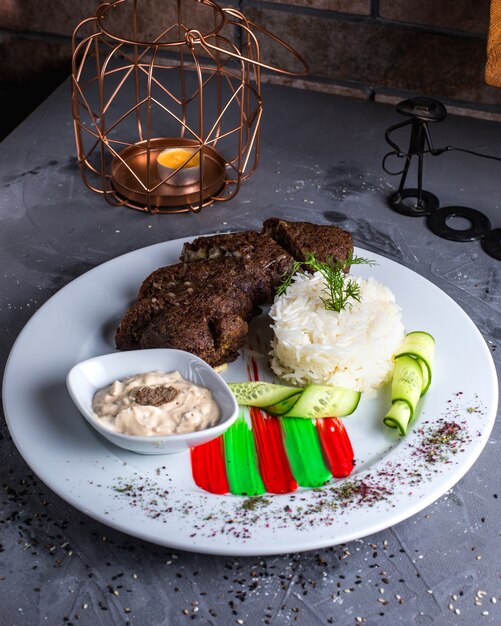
(420, 345)
(282, 407)
(426, 373)
(261, 394)
(407, 382)
(398, 416)
(324, 401)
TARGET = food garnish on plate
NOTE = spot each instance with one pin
(204, 303)
(411, 379)
(155, 403)
(335, 338)
(331, 329)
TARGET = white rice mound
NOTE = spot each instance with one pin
(352, 349)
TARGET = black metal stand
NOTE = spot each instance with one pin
(421, 111)
(416, 201)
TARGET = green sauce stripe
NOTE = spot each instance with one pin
(304, 452)
(241, 460)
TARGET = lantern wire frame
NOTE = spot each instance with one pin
(213, 73)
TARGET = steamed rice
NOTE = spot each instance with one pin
(352, 348)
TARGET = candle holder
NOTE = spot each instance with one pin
(136, 94)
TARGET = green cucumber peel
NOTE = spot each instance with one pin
(426, 372)
(421, 346)
(398, 416)
(412, 377)
(261, 394)
(280, 408)
(318, 401)
(314, 401)
(407, 382)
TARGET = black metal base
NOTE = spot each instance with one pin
(491, 243)
(480, 224)
(429, 203)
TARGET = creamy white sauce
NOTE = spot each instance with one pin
(192, 409)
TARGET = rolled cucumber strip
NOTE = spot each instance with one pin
(280, 408)
(421, 346)
(314, 401)
(324, 401)
(405, 391)
(407, 382)
(261, 394)
(398, 416)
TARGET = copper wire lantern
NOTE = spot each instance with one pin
(155, 87)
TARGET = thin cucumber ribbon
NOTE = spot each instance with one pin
(411, 379)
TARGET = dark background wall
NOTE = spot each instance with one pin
(373, 49)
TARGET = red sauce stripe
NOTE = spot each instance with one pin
(208, 466)
(273, 461)
(336, 446)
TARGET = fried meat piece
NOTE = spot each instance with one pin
(264, 261)
(213, 337)
(303, 238)
(136, 319)
(241, 245)
(220, 275)
(202, 302)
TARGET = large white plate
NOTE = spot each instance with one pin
(156, 499)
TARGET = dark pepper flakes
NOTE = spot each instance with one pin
(438, 441)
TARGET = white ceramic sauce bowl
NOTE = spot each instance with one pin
(86, 377)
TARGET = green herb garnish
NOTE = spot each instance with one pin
(338, 288)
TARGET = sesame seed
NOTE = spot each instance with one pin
(485, 613)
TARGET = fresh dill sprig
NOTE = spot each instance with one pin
(288, 276)
(338, 288)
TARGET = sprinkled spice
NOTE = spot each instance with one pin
(255, 502)
(431, 448)
(440, 443)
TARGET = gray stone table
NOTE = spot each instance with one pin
(321, 160)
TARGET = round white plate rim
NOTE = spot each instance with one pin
(308, 542)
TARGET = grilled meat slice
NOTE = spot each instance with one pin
(239, 245)
(136, 319)
(303, 238)
(203, 301)
(264, 261)
(220, 275)
(212, 336)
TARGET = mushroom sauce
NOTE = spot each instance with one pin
(155, 403)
